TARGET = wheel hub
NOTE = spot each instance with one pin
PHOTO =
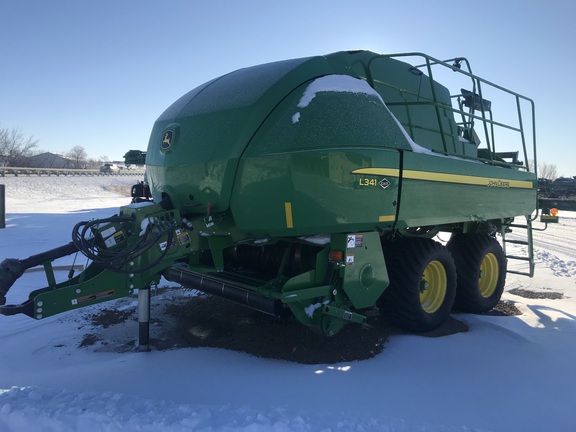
(488, 276)
(433, 286)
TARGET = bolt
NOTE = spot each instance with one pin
(424, 285)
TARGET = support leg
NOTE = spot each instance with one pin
(144, 319)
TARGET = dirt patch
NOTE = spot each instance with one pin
(505, 308)
(109, 317)
(213, 322)
(89, 340)
(550, 295)
(206, 321)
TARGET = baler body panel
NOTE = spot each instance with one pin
(285, 147)
(439, 190)
(295, 177)
(315, 192)
(210, 127)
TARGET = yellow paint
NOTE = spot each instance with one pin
(288, 210)
(466, 179)
(390, 172)
(387, 218)
(433, 286)
(447, 178)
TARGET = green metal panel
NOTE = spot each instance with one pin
(196, 143)
(440, 190)
(80, 292)
(364, 275)
(296, 176)
(315, 192)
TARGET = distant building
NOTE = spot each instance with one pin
(49, 160)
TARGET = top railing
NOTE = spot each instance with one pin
(480, 111)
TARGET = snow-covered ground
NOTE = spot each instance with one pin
(505, 374)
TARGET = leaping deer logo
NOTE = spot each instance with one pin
(167, 140)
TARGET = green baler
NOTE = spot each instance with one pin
(316, 187)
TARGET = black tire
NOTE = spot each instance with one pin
(481, 272)
(407, 302)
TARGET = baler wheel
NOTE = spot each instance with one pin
(481, 270)
(422, 284)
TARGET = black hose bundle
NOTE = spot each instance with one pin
(117, 260)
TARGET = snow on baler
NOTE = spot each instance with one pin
(315, 188)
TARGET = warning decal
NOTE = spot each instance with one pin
(92, 297)
(354, 241)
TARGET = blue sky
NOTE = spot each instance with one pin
(99, 73)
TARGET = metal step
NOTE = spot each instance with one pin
(520, 273)
(518, 226)
(520, 242)
(521, 258)
(523, 230)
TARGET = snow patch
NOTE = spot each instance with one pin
(309, 310)
(348, 84)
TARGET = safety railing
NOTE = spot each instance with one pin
(473, 107)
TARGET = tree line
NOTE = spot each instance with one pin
(16, 149)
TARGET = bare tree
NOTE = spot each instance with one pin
(15, 147)
(78, 156)
(547, 171)
(96, 162)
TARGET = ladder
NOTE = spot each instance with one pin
(525, 231)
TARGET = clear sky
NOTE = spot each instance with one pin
(99, 73)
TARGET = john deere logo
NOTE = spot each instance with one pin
(167, 139)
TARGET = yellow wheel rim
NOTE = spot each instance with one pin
(433, 286)
(488, 278)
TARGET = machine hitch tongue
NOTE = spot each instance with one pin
(11, 268)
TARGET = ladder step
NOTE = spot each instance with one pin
(526, 241)
(514, 257)
(519, 273)
(520, 242)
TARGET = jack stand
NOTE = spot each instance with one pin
(143, 319)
